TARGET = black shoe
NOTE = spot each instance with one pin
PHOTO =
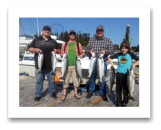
(118, 105)
(89, 95)
(37, 99)
(124, 104)
(54, 95)
(104, 98)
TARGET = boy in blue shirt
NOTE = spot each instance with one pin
(124, 62)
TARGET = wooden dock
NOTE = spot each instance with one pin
(27, 95)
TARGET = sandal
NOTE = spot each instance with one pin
(64, 97)
(76, 96)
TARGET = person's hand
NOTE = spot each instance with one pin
(103, 52)
(81, 56)
(61, 55)
(133, 67)
(37, 50)
(91, 51)
(57, 51)
(112, 65)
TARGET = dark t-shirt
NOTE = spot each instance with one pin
(124, 61)
(46, 47)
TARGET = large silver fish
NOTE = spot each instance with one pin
(40, 60)
(53, 62)
(100, 68)
(78, 68)
(64, 65)
(92, 64)
(111, 80)
(130, 83)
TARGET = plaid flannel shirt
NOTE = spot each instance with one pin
(76, 49)
(98, 45)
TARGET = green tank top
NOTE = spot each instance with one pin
(71, 54)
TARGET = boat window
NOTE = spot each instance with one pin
(28, 58)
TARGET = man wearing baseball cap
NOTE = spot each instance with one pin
(45, 44)
(99, 44)
(72, 49)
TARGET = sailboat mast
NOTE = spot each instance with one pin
(37, 27)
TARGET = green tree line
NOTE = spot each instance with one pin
(83, 38)
(135, 48)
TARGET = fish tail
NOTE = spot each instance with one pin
(88, 77)
(53, 73)
(61, 78)
(131, 98)
(101, 82)
(110, 94)
(81, 80)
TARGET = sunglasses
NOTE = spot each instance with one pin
(72, 33)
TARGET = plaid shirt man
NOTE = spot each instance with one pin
(98, 45)
(67, 49)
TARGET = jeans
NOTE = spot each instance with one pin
(92, 85)
(40, 79)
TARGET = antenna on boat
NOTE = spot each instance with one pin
(37, 27)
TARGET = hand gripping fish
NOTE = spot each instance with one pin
(130, 83)
(100, 68)
(64, 65)
(40, 60)
(53, 62)
(92, 65)
(78, 68)
(111, 80)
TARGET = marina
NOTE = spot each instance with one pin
(27, 82)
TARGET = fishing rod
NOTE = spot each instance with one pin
(57, 24)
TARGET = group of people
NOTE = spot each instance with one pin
(98, 44)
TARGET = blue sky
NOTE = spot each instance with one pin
(115, 28)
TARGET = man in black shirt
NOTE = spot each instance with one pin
(46, 44)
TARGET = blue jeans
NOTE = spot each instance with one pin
(40, 79)
(92, 85)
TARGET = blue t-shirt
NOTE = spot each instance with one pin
(124, 61)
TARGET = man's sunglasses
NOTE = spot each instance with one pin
(72, 33)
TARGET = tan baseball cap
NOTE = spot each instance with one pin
(72, 31)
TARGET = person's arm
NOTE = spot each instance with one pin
(32, 48)
(109, 59)
(81, 51)
(62, 50)
(135, 58)
(88, 48)
(109, 50)
(113, 57)
(133, 66)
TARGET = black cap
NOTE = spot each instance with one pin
(46, 27)
(100, 27)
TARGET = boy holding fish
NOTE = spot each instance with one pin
(71, 52)
(124, 66)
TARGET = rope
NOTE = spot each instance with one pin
(29, 25)
(33, 25)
